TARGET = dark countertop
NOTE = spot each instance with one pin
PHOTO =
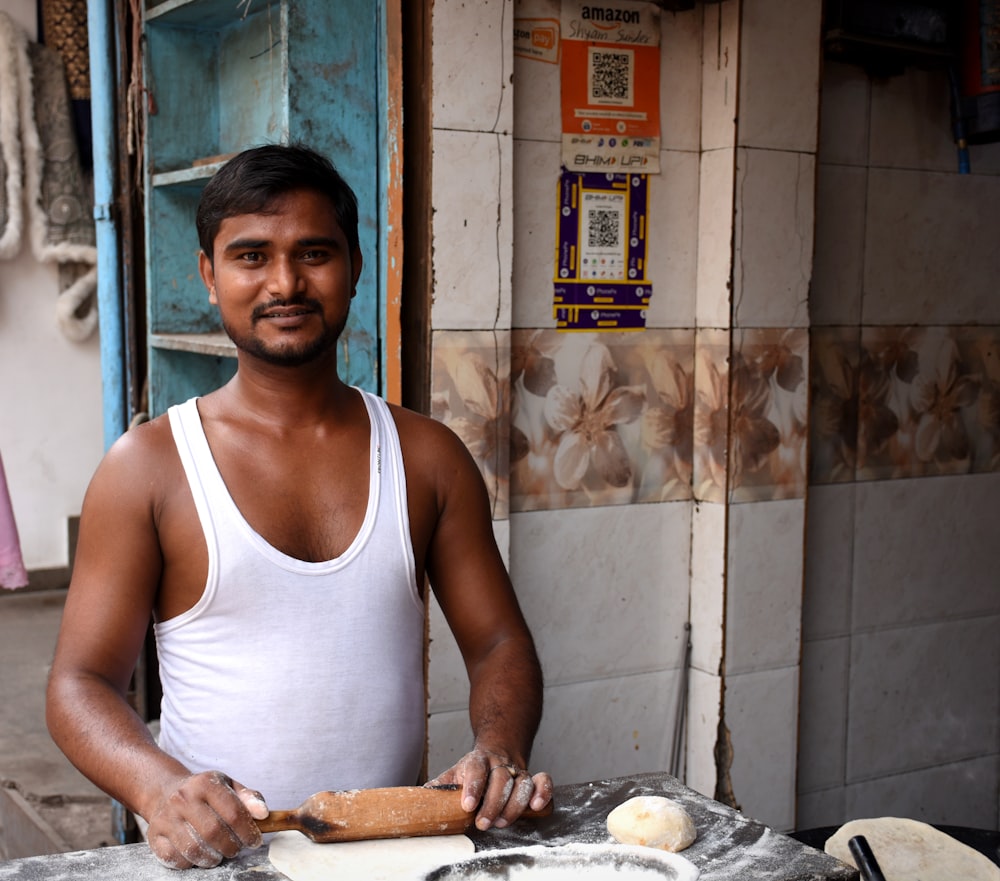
(729, 844)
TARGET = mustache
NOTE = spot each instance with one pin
(280, 303)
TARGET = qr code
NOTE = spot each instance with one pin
(611, 77)
(602, 228)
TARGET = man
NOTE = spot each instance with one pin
(278, 530)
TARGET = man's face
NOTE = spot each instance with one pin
(283, 280)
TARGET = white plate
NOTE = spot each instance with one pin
(570, 862)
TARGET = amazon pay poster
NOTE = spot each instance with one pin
(610, 86)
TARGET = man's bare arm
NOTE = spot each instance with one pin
(474, 590)
(108, 609)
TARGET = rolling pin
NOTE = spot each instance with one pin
(391, 812)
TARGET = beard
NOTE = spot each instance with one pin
(290, 353)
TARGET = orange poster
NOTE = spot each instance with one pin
(537, 38)
(610, 86)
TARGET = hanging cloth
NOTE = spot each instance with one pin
(40, 171)
(63, 27)
(12, 571)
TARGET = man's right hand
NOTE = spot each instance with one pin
(204, 819)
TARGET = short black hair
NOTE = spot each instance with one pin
(251, 180)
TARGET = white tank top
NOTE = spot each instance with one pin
(294, 677)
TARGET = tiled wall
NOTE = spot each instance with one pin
(654, 479)
(760, 64)
(901, 626)
(645, 481)
(585, 440)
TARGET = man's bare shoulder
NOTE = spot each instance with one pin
(144, 439)
(417, 430)
(144, 456)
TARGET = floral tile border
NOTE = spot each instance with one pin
(912, 401)
(769, 423)
(572, 420)
(470, 393)
(928, 401)
(601, 418)
(835, 353)
(751, 414)
(711, 415)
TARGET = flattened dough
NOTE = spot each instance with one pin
(908, 850)
(295, 856)
(653, 821)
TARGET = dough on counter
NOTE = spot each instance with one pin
(653, 821)
(908, 849)
(301, 859)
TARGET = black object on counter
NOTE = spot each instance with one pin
(865, 860)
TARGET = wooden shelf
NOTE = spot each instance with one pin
(226, 75)
(207, 14)
(217, 344)
(195, 174)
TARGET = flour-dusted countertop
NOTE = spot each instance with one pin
(729, 845)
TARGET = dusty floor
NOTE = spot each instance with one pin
(30, 762)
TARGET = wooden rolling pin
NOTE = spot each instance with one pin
(392, 812)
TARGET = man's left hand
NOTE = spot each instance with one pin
(498, 785)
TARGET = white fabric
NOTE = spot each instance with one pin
(295, 677)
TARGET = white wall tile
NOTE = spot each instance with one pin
(673, 239)
(762, 717)
(607, 728)
(715, 235)
(838, 264)
(960, 794)
(830, 533)
(673, 226)
(708, 585)
(603, 589)
(472, 195)
(473, 62)
(823, 713)
(704, 708)
(536, 185)
(764, 586)
(779, 74)
(984, 158)
(449, 737)
(719, 73)
(911, 121)
(923, 696)
(680, 80)
(824, 807)
(925, 550)
(447, 680)
(501, 532)
(930, 250)
(844, 110)
(773, 239)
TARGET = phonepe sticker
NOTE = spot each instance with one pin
(601, 254)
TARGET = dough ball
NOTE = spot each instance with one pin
(653, 821)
